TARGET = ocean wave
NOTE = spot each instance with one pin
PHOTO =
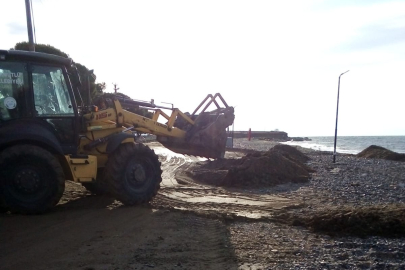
(352, 144)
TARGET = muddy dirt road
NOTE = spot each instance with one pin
(183, 228)
(180, 191)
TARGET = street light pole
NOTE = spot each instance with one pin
(337, 113)
(31, 44)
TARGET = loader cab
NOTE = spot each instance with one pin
(37, 101)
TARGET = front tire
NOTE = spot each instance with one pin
(134, 173)
(31, 179)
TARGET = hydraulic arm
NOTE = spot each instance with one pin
(202, 134)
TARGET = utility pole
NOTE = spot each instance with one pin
(31, 44)
(90, 73)
(115, 88)
(337, 112)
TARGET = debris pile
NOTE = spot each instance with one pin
(382, 220)
(281, 164)
(379, 152)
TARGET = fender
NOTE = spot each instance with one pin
(116, 140)
(25, 130)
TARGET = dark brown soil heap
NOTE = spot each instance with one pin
(281, 164)
(375, 151)
(385, 220)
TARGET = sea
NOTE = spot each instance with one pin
(352, 144)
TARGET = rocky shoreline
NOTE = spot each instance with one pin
(348, 199)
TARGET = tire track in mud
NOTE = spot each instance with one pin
(125, 238)
(179, 191)
(206, 246)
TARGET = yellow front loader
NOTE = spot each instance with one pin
(46, 137)
(130, 170)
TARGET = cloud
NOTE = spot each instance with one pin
(374, 36)
(331, 5)
(15, 28)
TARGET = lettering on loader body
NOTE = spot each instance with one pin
(101, 115)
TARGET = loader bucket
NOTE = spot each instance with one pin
(207, 137)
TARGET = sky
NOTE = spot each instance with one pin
(277, 62)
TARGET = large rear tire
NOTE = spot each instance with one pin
(31, 179)
(134, 173)
(3, 209)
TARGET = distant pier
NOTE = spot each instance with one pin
(279, 136)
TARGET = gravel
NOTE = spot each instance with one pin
(358, 181)
(350, 182)
(284, 247)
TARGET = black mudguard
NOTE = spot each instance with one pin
(116, 140)
(35, 132)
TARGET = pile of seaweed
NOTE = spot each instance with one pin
(379, 220)
(281, 164)
(374, 151)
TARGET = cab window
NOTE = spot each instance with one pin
(13, 81)
(51, 95)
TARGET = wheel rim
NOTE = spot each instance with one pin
(137, 174)
(26, 183)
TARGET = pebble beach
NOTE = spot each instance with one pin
(351, 183)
